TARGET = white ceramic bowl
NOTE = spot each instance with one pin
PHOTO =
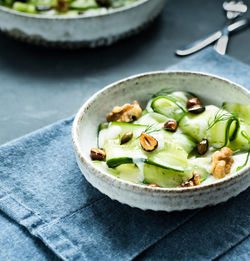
(210, 89)
(81, 31)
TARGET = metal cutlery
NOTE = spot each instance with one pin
(233, 10)
(200, 44)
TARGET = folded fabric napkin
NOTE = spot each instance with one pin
(43, 190)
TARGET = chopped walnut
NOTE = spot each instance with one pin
(125, 113)
(222, 162)
(194, 181)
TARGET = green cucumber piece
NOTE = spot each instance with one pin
(84, 4)
(169, 107)
(116, 130)
(197, 126)
(239, 142)
(152, 118)
(129, 172)
(239, 110)
(201, 165)
(243, 112)
(163, 177)
(171, 157)
(24, 7)
(181, 97)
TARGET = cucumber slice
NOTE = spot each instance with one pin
(152, 118)
(243, 112)
(117, 130)
(102, 126)
(240, 143)
(177, 98)
(239, 110)
(218, 134)
(171, 157)
(129, 172)
(181, 97)
(83, 4)
(163, 177)
(202, 165)
(169, 107)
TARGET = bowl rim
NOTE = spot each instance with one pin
(65, 17)
(130, 185)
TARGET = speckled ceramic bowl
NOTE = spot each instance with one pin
(80, 31)
(210, 89)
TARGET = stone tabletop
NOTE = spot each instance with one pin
(40, 86)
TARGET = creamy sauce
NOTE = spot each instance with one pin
(160, 138)
(107, 134)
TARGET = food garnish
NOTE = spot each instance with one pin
(220, 115)
(125, 113)
(245, 135)
(148, 143)
(194, 106)
(222, 162)
(97, 154)
(126, 137)
(202, 147)
(196, 109)
(192, 102)
(194, 181)
(171, 125)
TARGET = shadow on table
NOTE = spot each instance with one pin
(44, 62)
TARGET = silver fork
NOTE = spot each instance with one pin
(233, 10)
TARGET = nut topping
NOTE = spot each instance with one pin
(126, 137)
(171, 125)
(153, 185)
(194, 181)
(62, 6)
(196, 109)
(194, 106)
(148, 143)
(202, 147)
(104, 3)
(222, 162)
(125, 113)
(97, 154)
(192, 102)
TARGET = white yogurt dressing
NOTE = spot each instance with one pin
(107, 134)
(160, 139)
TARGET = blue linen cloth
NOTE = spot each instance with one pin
(44, 192)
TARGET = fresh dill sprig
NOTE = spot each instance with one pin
(245, 135)
(162, 92)
(150, 129)
(220, 115)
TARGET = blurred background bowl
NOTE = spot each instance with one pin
(80, 31)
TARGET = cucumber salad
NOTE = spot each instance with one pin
(176, 141)
(65, 7)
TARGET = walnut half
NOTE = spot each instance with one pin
(125, 113)
(222, 162)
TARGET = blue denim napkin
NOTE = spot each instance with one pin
(44, 192)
